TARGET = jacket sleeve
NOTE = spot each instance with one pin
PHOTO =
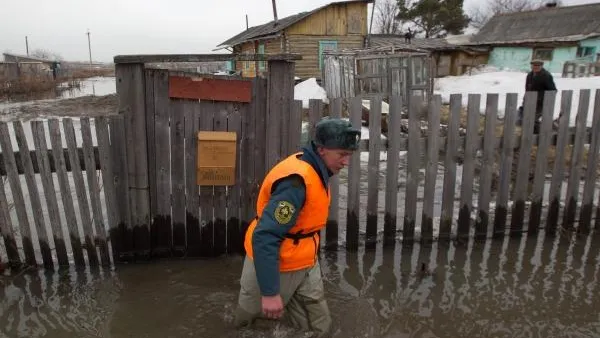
(550, 82)
(270, 231)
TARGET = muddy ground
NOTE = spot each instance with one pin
(81, 106)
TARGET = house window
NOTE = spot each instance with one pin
(261, 51)
(543, 54)
(323, 46)
(585, 51)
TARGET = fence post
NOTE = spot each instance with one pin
(131, 95)
(279, 107)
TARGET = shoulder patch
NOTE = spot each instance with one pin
(284, 212)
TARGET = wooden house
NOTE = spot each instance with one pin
(335, 26)
(555, 35)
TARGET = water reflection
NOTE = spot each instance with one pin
(532, 286)
(71, 303)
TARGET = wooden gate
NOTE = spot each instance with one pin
(170, 214)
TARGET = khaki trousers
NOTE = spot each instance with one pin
(303, 297)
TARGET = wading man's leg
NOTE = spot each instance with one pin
(307, 309)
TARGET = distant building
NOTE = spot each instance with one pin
(17, 66)
(449, 57)
(553, 34)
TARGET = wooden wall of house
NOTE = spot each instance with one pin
(308, 47)
(248, 68)
(462, 62)
(344, 23)
(342, 19)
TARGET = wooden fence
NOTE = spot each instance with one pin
(35, 217)
(573, 69)
(511, 180)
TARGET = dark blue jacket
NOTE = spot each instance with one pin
(268, 233)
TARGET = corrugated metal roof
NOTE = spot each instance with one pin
(270, 28)
(382, 40)
(19, 56)
(559, 24)
(419, 44)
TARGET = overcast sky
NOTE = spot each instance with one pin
(139, 26)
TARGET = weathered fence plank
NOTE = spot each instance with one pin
(260, 125)
(413, 164)
(587, 201)
(207, 229)
(108, 176)
(434, 110)
(192, 222)
(522, 179)
(81, 192)
(334, 184)
(65, 191)
(234, 229)
(353, 209)
(315, 113)
(153, 80)
(130, 86)
(506, 162)
(468, 175)
(393, 158)
(249, 182)
(576, 157)
(541, 162)
(558, 168)
(177, 113)
(36, 205)
(373, 171)
(450, 168)
(39, 140)
(487, 163)
(17, 194)
(161, 227)
(92, 179)
(220, 192)
(7, 231)
(280, 97)
(122, 233)
(295, 127)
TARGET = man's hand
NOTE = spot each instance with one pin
(272, 306)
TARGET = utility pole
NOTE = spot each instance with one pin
(26, 45)
(89, 47)
(274, 11)
(246, 21)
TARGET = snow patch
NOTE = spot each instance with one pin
(309, 89)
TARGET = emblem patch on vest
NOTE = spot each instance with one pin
(284, 212)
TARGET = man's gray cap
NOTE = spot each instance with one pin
(336, 133)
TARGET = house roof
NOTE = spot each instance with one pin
(558, 24)
(416, 44)
(26, 57)
(272, 29)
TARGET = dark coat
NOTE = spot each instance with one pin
(540, 82)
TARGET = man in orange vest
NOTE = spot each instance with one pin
(281, 277)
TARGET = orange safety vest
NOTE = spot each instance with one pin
(299, 248)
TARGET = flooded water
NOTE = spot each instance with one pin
(525, 287)
(95, 86)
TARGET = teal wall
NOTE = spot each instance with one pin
(595, 43)
(518, 58)
(514, 58)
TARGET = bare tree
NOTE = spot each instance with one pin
(46, 54)
(481, 15)
(386, 12)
